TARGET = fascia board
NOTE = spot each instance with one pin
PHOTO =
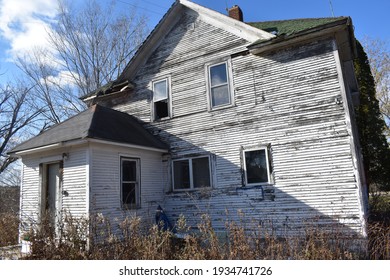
(231, 25)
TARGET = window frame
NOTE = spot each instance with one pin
(137, 205)
(268, 162)
(191, 175)
(229, 83)
(168, 98)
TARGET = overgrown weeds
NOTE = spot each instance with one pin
(9, 224)
(133, 239)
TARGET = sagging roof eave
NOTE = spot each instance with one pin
(116, 87)
(95, 97)
(319, 31)
(137, 59)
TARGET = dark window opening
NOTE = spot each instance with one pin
(191, 173)
(161, 109)
(161, 99)
(257, 166)
(130, 190)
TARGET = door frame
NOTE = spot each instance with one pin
(44, 200)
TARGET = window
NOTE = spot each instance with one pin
(256, 166)
(219, 85)
(192, 173)
(130, 183)
(161, 99)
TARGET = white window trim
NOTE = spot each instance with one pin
(138, 185)
(192, 188)
(169, 97)
(267, 157)
(230, 84)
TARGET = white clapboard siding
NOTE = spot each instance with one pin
(75, 183)
(29, 194)
(290, 99)
(105, 182)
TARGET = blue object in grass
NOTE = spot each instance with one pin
(162, 220)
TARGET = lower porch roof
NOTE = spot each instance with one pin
(99, 123)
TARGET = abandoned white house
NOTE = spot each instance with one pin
(248, 122)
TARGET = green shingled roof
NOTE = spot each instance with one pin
(292, 26)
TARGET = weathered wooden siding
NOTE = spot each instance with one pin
(29, 193)
(74, 183)
(182, 55)
(105, 182)
(289, 99)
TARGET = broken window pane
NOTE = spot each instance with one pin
(256, 166)
(161, 109)
(160, 99)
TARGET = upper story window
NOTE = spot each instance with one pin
(257, 167)
(191, 173)
(219, 85)
(161, 102)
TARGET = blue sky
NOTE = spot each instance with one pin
(23, 22)
(369, 17)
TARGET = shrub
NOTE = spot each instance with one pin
(132, 239)
(9, 224)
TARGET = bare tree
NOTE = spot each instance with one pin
(54, 91)
(89, 47)
(378, 54)
(16, 116)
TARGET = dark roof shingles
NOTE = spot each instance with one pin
(96, 122)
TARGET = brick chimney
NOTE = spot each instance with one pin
(236, 13)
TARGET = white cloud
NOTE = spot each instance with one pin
(24, 24)
(63, 78)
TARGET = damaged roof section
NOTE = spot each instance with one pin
(109, 88)
(292, 26)
(296, 30)
(99, 123)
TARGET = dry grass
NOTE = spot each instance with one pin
(134, 240)
(9, 224)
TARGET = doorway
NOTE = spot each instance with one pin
(51, 194)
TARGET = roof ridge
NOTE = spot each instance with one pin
(94, 109)
(292, 19)
(298, 25)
